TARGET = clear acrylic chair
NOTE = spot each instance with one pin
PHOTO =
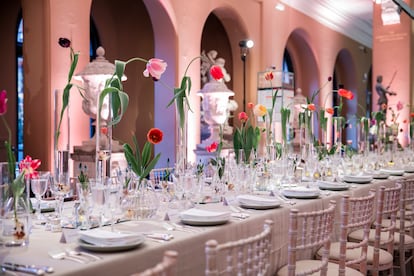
(310, 231)
(248, 256)
(167, 267)
(381, 237)
(357, 213)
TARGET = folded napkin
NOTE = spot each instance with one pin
(332, 184)
(199, 214)
(253, 200)
(301, 191)
(358, 178)
(108, 238)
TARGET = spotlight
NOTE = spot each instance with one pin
(246, 43)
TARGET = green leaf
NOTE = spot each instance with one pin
(119, 69)
(75, 58)
(146, 153)
(130, 157)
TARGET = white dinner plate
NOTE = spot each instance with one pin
(332, 186)
(258, 202)
(394, 172)
(110, 248)
(359, 179)
(301, 193)
(380, 175)
(201, 222)
(195, 216)
(409, 169)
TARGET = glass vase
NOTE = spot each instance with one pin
(61, 140)
(364, 136)
(308, 145)
(85, 205)
(103, 134)
(338, 124)
(182, 126)
(14, 230)
(141, 202)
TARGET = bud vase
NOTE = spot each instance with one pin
(308, 147)
(141, 202)
(338, 124)
(103, 135)
(182, 125)
(61, 171)
(15, 223)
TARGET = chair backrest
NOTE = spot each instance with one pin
(388, 205)
(166, 267)
(406, 208)
(356, 213)
(248, 256)
(310, 230)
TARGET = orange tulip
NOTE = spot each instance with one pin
(329, 110)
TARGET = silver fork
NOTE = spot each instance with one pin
(61, 255)
(83, 255)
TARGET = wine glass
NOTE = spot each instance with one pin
(60, 188)
(39, 186)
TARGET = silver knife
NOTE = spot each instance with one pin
(30, 269)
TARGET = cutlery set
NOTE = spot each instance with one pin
(73, 255)
(29, 269)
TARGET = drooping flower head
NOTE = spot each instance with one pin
(154, 136)
(259, 110)
(346, 94)
(155, 68)
(3, 102)
(212, 147)
(329, 110)
(28, 166)
(243, 117)
(216, 72)
(64, 42)
(250, 105)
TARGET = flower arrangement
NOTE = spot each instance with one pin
(140, 161)
(247, 136)
(219, 162)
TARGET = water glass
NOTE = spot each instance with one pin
(99, 188)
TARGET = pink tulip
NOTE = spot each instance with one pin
(155, 68)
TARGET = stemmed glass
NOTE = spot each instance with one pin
(39, 186)
(113, 200)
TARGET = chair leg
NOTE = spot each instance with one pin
(412, 261)
(401, 258)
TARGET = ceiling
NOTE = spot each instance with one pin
(352, 18)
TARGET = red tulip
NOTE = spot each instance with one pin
(311, 107)
(154, 135)
(3, 102)
(269, 76)
(212, 147)
(216, 72)
(329, 110)
(243, 117)
(29, 167)
(155, 68)
(345, 94)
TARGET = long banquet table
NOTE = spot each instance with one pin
(190, 245)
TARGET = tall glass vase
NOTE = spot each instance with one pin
(182, 126)
(61, 172)
(308, 147)
(364, 136)
(103, 135)
(338, 124)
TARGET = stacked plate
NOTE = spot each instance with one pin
(393, 171)
(103, 240)
(301, 192)
(258, 202)
(409, 169)
(360, 179)
(332, 186)
(379, 174)
(196, 216)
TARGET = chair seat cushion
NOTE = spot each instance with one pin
(358, 235)
(352, 254)
(305, 265)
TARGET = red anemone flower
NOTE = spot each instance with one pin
(155, 68)
(154, 135)
(311, 107)
(216, 72)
